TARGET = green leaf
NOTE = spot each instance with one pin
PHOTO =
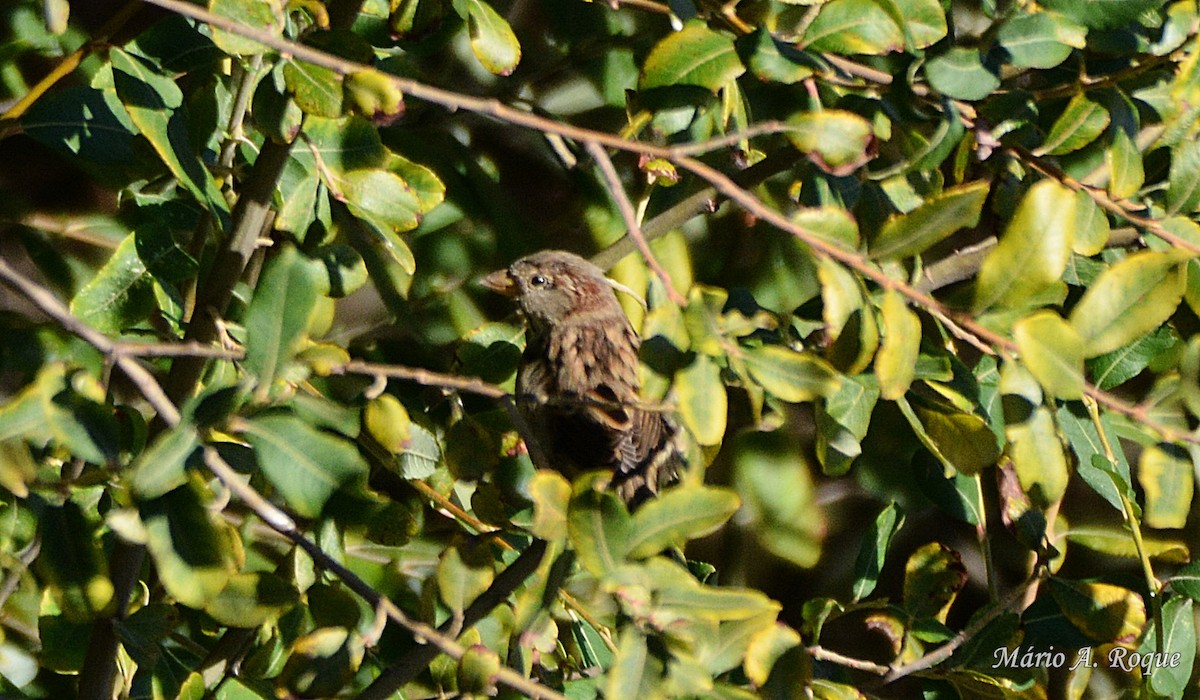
(702, 400)
(463, 574)
(1118, 542)
(1091, 226)
(1187, 581)
(551, 494)
(866, 26)
(771, 474)
(1165, 473)
(635, 673)
(1041, 39)
(831, 224)
(1102, 611)
(304, 464)
(317, 90)
(842, 420)
(961, 441)
(1130, 299)
(1033, 252)
(695, 55)
(155, 104)
(71, 564)
(380, 197)
(896, 361)
(264, 16)
(191, 546)
(387, 421)
(1183, 184)
(1103, 14)
(771, 59)
(678, 515)
(492, 40)
(1114, 368)
(1092, 463)
(420, 459)
(873, 550)
(161, 467)
(121, 295)
(598, 526)
(1127, 172)
(345, 270)
(960, 73)
(933, 577)
(766, 648)
(1178, 645)
(477, 670)
(1080, 123)
(278, 314)
(321, 663)
(790, 375)
(1053, 352)
(252, 599)
(905, 235)
(835, 140)
(49, 411)
(373, 94)
(1034, 447)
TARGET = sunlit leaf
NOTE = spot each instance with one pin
(696, 56)
(1166, 475)
(905, 235)
(492, 39)
(678, 515)
(1102, 611)
(702, 399)
(896, 361)
(1034, 249)
(1079, 124)
(1128, 300)
(1053, 352)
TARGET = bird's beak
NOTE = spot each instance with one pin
(500, 282)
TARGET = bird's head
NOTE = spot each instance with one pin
(552, 286)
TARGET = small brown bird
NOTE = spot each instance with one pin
(577, 386)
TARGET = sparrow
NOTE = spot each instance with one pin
(577, 385)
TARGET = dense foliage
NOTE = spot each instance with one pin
(922, 284)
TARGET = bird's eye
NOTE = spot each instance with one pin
(538, 280)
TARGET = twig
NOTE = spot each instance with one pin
(632, 227)
(822, 654)
(1014, 600)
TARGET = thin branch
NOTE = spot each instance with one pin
(822, 654)
(1013, 601)
(632, 226)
